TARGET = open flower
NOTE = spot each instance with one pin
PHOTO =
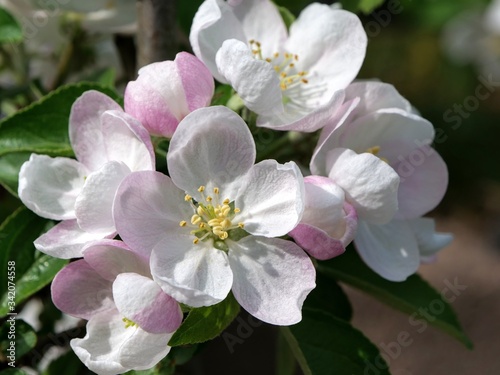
(291, 81)
(165, 92)
(131, 320)
(209, 227)
(108, 144)
(383, 124)
(329, 223)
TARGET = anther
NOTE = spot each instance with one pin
(195, 219)
(226, 201)
(201, 189)
(183, 223)
(196, 240)
(188, 197)
(216, 190)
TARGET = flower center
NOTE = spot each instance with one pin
(283, 64)
(374, 151)
(212, 218)
(129, 323)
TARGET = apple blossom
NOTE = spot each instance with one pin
(209, 227)
(108, 144)
(130, 319)
(329, 223)
(293, 82)
(165, 92)
(382, 123)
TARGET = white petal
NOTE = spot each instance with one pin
(308, 120)
(272, 278)
(85, 131)
(395, 131)
(391, 250)
(94, 205)
(256, 16)
(126, 140)
(147, 207)
(271, 198)
(374, 96)
(370, 185)
(328, 139)
(330, 43)
(424, 179)
(255, 81)
(211, 147)
(213, 23)
(142, 301)
(196, 275)
(429, 241)
(66, 240)
(109, 348)
(49, 186)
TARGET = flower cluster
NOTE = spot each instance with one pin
(216, 222)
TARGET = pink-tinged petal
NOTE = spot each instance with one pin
(147, 207)
(317, 242)
(328, 224)
(126, 140)
(213, 23)
(255, 81)
(94, 205)
(272, 278)
(194, 274)
(212, 147)
(109, 258)
(78, 290)
(391, 250)
(142, 301)
(424, 179)
(165, 92)
(319, 116)
(66, 240)
(111, 348)
(271, 198)
(429, 241)
(49, 186)
(330, 43)
(369, 183)
(328, 139)
(85, 131)
(375, 96)
(197, 81)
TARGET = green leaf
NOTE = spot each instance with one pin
(35, 278)
(324, 344)
(365, 6)
(413, 296)
(10, 30)
(42, 127)
(21, 334)
(68, 363)
(10, 165)
(287, 16)
(329, 297)
(205, 323)
(12, 371)
(17, 234)
(222, 95)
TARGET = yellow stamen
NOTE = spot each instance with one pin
(183, 223)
